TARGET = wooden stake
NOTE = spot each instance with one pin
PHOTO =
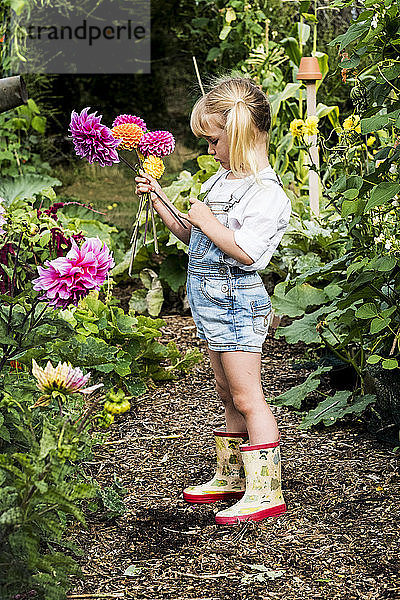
(198, 75)
(313, 180)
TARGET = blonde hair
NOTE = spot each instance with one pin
(243, 110)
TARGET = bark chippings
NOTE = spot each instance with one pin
(338, 540)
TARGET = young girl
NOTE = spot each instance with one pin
(232, 233)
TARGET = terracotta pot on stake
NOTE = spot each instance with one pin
(309, 72)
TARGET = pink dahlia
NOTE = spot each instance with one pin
(157, 143)
(67, 279)
(121, 119)
(92, 140)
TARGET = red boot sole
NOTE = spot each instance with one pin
(258, 516)
(209, 498)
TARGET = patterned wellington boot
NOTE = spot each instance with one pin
(263, 497)
(229, 479)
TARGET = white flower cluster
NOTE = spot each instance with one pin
(3, 220)
(390, 243)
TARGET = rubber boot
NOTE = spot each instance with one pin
(263, 497)
(229, 479)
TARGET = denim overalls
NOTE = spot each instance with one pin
(230, 307)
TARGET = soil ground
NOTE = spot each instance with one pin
(339, 539)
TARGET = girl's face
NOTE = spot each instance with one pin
(218, 146)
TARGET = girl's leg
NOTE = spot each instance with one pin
(234, 420)
(242, 373)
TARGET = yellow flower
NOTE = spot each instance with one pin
(311, 126)
(297, 127)
(371, 140)
(154, 166)
(352, 123)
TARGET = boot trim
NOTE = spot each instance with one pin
(245, 448)
(223, 433)
(210, 497)
(255, 516)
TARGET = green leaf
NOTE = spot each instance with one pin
(336, 407)
(381, 263)
(355, 31)
(18, 5)
(173, 271)
(12, 517)
(292, 49)
(377, 122)
(297, 300)
(25, 186)
(135, 386)
(367, 311)
(382, 193)
(208, 163)
(39, 123)
(390, 363)
(133, 571)
(48, 441)
(374, 359)
(213, 54)
(378, 324)
(350, 194)
(225, 32)
(304, 329)
(138, 302)
(295, 396)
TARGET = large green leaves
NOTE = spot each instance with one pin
(25, 186)
(382, 193)
(295, 396)
(295, 302)
(336, 407)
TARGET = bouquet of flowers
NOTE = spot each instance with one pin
(98, 143)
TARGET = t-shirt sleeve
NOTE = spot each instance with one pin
(264, 221)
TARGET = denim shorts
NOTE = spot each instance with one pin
(231, 308)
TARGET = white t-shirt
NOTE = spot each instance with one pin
(258, 220)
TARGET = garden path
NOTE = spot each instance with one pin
(338, 540)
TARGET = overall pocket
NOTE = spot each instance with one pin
(261, 314)
(217, 291)
(199, 243)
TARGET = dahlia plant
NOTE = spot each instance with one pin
(60, 381)
(96, 142)
(67, 279)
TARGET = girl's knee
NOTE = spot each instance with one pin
(243, 403)
(224, 393)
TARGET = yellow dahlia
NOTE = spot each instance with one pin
(129, 133)
(311, 126)
(352, 123)
(154, 166)
(297, 127)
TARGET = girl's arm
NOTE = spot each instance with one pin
(146, 183)
(201, 216)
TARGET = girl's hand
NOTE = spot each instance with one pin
(146, 183)
(199, 213)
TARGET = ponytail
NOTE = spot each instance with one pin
(243, 110)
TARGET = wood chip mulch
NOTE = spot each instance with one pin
(339, 539)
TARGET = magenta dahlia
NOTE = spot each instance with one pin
(157, 143)
(121, 119)
(67, 279)
(92, 140)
